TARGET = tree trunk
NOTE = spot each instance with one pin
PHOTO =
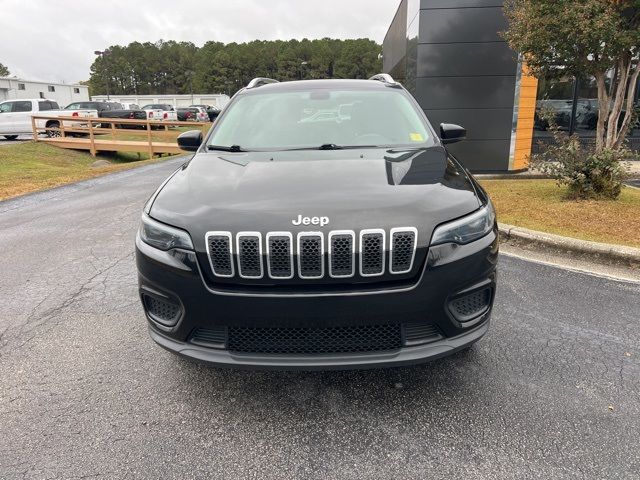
(603, 110)
(621, 83)
(626, 122)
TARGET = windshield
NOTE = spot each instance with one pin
(321, 117)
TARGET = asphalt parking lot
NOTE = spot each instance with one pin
(553, 391)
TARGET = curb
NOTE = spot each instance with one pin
(511, 176)
(595, 251)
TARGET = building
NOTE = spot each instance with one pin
(216, 100)
(64, 94)
(450, 55)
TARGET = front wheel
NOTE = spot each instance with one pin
(53, 133)
(10, 137)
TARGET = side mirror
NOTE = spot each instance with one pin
(190, 141)
(450, 133)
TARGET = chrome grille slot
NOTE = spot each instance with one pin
(249, 251)
(219, 252)
(310, 255)
(372, 252)
(402, 249)
(280, 255)
(342, 248)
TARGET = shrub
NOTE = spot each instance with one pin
(587, 174)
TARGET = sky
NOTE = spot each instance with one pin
(54, 40)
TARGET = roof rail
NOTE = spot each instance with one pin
(385, 78)
(259, 81)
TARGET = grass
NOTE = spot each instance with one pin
(30, 166)
(156, 135)
(541, 205)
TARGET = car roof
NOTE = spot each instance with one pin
(334, 84)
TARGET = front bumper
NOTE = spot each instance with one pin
(402, 357)
(450, 271)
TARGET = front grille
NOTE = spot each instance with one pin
(471, 306)
(314, 340)
(308, 255)
(165, 312)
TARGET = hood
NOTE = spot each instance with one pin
(355, 189)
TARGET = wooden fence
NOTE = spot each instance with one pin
(85, 133)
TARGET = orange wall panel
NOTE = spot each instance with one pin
(526, 114)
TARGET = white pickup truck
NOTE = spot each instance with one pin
(167, 112)
(15, 116)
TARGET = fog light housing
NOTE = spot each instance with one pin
(164, 311)
(471, 305)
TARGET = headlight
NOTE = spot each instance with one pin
(163, 236)
(466, 229)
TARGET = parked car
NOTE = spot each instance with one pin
(15, 116)
(131, 106)
(103, 108)
(125, 114)
(316, 245)
(99, 106)
(197, 114)
(185, 114)
(212, 111)
(168, 112)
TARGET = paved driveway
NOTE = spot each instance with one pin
(20, 139)
(553, 391)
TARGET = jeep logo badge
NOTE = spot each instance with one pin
(322, 221)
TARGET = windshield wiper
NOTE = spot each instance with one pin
(232, 148)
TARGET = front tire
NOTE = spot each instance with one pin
(10, 137)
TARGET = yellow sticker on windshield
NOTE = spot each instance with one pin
(416, 137)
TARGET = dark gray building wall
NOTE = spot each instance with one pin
(460, 71)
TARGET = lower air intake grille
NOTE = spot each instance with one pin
(162, 311)
(419, 333)
(209, 337)
(315, 340)
(470, 306)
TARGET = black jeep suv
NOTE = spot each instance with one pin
(320, 224)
